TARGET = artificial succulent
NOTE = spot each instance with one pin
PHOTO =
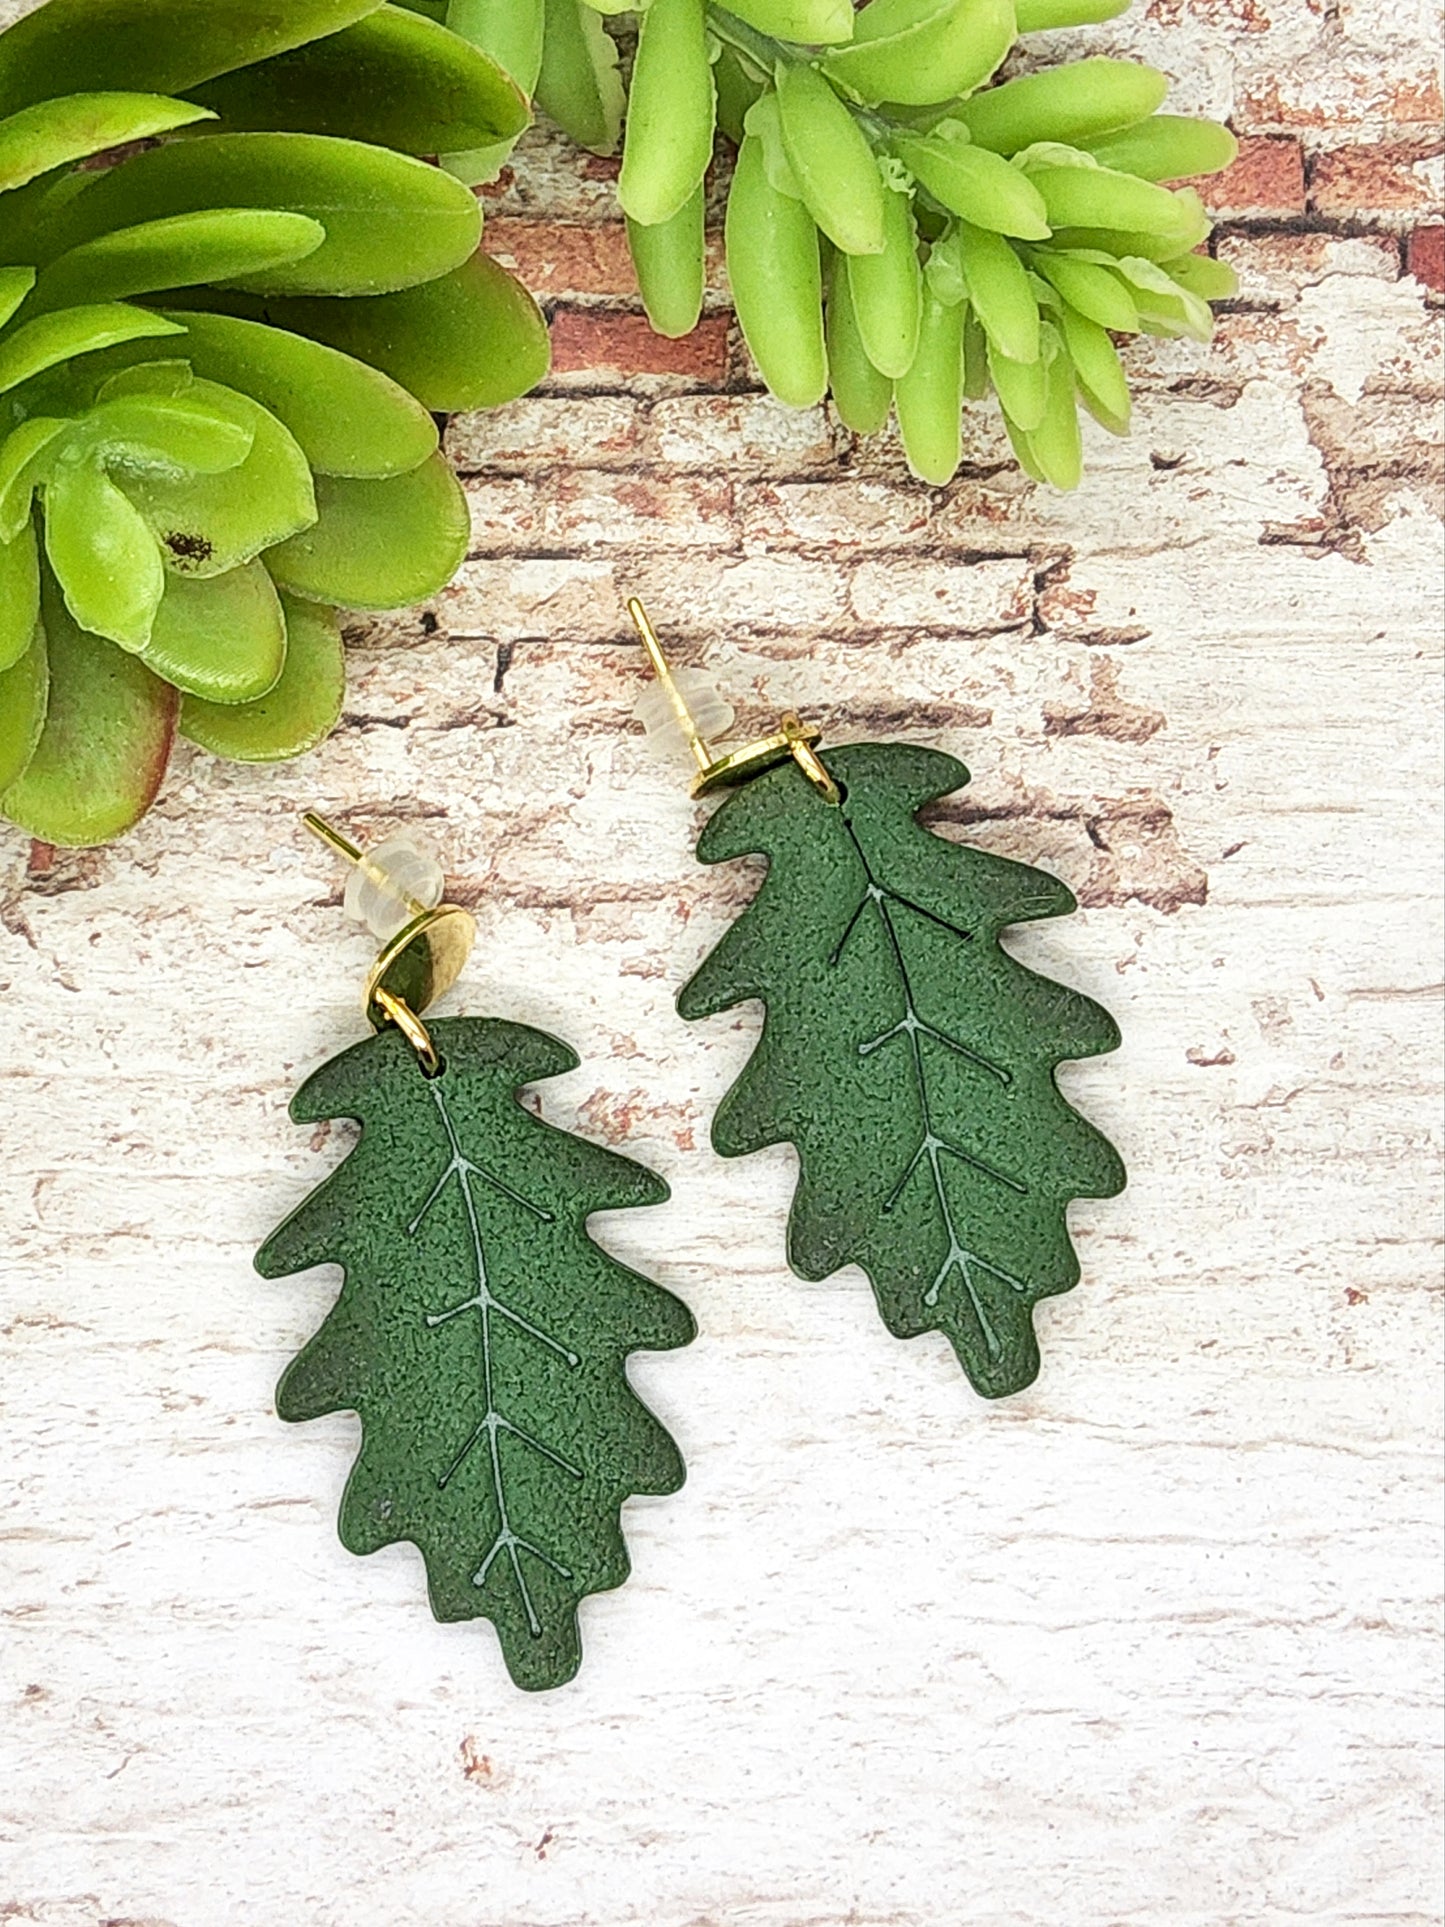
(901, 228)
(233, 295)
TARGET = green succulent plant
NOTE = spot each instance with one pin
(221, 354)
(900, 228)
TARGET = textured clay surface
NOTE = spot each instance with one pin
(480, 1335)
(906, 1055)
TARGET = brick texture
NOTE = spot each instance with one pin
(1267, 180)
(1379, 178)
(564, 258)
(1425, 257)
(624, 345)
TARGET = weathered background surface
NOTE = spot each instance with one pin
(1156, 1643)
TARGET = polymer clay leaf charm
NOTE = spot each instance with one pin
(480, 1334)
(905, 1054)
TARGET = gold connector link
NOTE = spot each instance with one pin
(417, 965)
(792, 738)
(399, 1012)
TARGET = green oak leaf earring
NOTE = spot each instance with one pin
(480, 1334)
(907, 1057)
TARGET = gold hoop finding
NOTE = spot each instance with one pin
(791, 738)
(801, 739)
(399, 1012)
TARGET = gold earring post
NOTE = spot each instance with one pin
(792, 738)
(332, 837)
(696, 742)
(421, 962)
(343, 846)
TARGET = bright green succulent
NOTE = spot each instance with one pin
(220, 358)
(899, 228)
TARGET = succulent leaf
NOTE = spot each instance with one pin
(816, 23)
(390, 220)
(349, 417)
(1045, 16)
(472, 339)
(831, 160)
(52, 339)
(1167, 147)
(178, 251)
(209, 524)
(15, 285)
(381, 543)
(670, 259)
(25, 460)
(221, 637)
(153, 46)
(103, 555)
(862, 394)
(579, 86)
(1089, 285)
(24, 693)
(1100, 373)
(978, 185)
(511, 32)
(918, 52)
(1100, 197)
(109, 725)
(1078, 101)
(169, 376)
(53, 133)
(19, 596)
(671, 113)
(190, 432)
(299, 711)
(1201, 274)
(395, 79)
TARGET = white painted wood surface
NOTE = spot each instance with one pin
(1157, 1642)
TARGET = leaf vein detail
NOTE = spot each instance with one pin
(932, 1146)
(494, 1425)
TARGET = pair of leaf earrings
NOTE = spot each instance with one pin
(482, 1335)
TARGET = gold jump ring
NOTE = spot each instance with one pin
(400, 1013)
